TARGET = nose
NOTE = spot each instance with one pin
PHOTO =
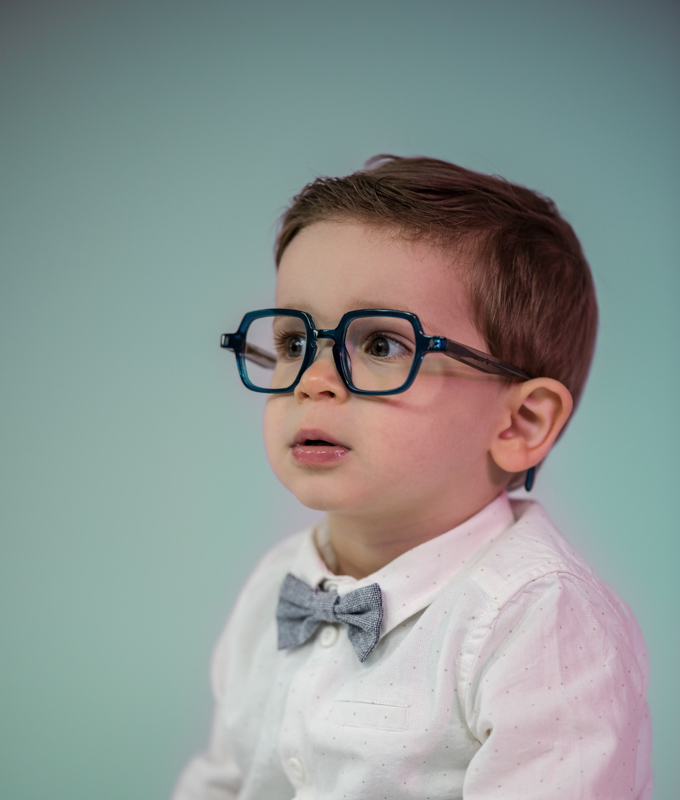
(321, 378)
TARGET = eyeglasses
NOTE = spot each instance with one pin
(376, 351)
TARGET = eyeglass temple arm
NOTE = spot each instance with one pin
(477, 359)
(234, 341)
(484, 362)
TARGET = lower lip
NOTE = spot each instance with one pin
(314, 455)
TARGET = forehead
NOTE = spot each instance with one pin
(333, 267)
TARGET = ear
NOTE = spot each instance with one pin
(534, 413)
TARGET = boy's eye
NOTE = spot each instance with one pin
(290, 345)
(381, 345)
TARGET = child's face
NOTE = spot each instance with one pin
(422, 452)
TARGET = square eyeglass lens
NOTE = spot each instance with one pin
(379, 352)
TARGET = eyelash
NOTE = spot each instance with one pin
(281, 339)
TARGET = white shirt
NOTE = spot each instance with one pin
(505, 669)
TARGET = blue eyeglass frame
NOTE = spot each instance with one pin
(484, 362)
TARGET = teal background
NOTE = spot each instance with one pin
(146, 152)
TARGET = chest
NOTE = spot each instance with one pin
(314, 721)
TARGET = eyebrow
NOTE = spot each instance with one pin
(362, 304)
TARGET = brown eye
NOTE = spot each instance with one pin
(290, 345)
(295, 347)
(382, 346)
(379, 347)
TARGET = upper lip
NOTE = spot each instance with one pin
(316, 434)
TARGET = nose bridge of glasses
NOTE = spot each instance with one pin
(331, 336)
(325, 349)
(328, 333)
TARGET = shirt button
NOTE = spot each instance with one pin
(329, 636)
(296, 768)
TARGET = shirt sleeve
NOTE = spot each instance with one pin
(556, 698)
(213, 774)
(221, 771)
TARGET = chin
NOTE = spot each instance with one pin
(322, 495)
(321, 501)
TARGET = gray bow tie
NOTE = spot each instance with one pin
(302, 610)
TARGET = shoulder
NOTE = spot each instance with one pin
(534, 591)
(277, 561)
(531, 549)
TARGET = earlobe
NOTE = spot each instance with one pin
(533, 416)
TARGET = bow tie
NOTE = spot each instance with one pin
(302, 610)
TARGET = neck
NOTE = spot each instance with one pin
(363, 545)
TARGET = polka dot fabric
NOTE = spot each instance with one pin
(505, 669)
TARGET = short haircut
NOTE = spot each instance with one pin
(531, 291)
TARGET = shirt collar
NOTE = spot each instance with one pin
(411, 581)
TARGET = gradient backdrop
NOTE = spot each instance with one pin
(147, 149)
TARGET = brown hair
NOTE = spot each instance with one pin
(531, 290)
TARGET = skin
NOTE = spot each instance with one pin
(421, 462)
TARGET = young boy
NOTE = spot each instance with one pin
(432, 638)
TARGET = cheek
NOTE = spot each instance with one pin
(449, 421)
(272, 428)
(404, 436)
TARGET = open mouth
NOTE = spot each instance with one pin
(314, 437)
